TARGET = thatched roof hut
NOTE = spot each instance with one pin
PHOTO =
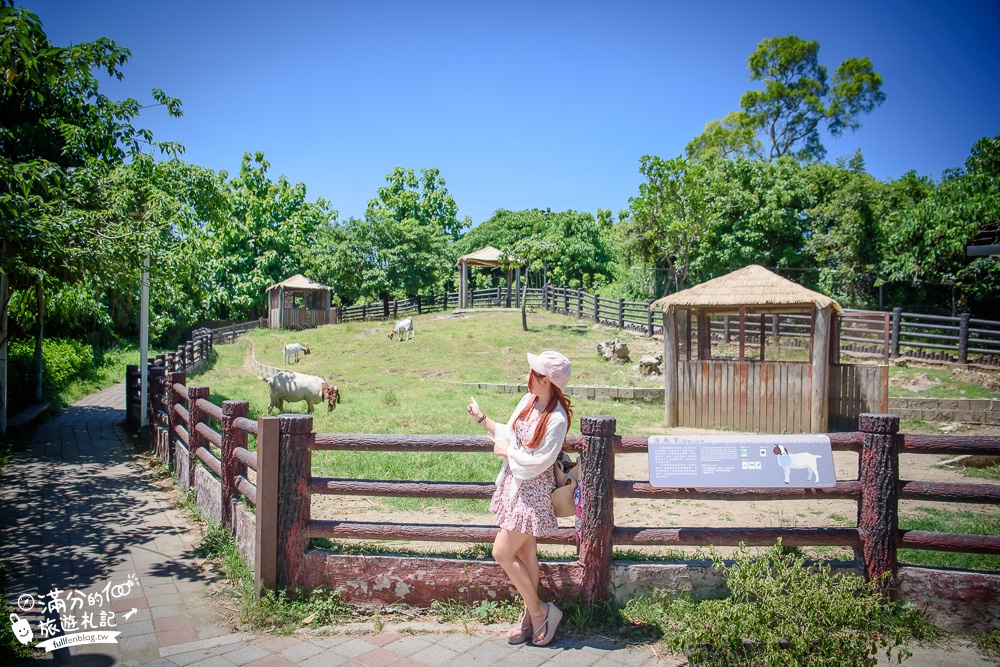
(298, 303)
(794, 395)
(753, 288)
(488, 257)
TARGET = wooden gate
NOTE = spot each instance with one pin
(766, 397)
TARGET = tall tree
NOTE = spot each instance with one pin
(269, 227)
(424, 199)
(797, 99)
(60, 138)
(667, 224)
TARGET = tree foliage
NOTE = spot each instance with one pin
(797, 99)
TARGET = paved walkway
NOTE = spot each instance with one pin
(88, 534)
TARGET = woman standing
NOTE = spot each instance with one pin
(529, 444)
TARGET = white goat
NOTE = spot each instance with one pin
(293, 350)
(403, 327)
(800, 461)
(291, 387)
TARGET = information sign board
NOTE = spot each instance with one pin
(767, 461)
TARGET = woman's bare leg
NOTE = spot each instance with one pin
(509, 549)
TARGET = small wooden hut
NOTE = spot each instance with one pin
(742, 389)
(298, 303)
(488, 257)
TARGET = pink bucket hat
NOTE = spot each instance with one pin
(556, 367)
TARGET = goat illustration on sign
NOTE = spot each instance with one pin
(799, 461)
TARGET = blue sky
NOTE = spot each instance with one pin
(523, 104)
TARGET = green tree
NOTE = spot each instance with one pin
(756, 216)
(667, 224)
(267, 229)
(59, 142)
(424, 199)
(928, 240)
(797, 99)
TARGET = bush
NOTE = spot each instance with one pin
(784, 612)
(64, 361)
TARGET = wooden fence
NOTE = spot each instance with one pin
(873, 334)
(188, 428)
(188, 358)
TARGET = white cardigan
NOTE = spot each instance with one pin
(526, 463)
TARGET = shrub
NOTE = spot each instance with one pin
(782, 611)
(64, 361)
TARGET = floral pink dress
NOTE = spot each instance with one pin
(530, 510)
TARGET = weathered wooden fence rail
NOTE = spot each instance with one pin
(277, 480)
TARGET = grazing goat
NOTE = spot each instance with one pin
(292, 387)
(403, 327)
(800, 461)
(292, 350)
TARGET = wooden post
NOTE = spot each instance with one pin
(670, 367)
(704, 337)
(597, 475)
(196, 416)
(173, 377)
(820, 408)
(419, 306)
(836, 322)
(188, 354)
(878, 510)
(776, 329)
(743, 333)
(649, 320)
(725, 328)
(266, 539)
(687, 335)
(963, 338)
(463, 285)
(621, 313)
(763, 334)
(294, 499)
(597, 307)
(232, 438)
(579, 303)
(897, 318)
(565, 300)
(181, 358)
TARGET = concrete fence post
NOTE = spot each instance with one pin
(265, 570)
(597, 474)
(157, 379)
(173, 377)
(878, 510)
(232, 438)
(196, 416)
(294, 471)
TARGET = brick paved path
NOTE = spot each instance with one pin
(79, 510)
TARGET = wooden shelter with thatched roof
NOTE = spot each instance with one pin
(488, 257)
(737, 387)
(298, 303)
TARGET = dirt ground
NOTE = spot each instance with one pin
(690, 513)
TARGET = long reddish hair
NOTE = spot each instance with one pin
(558, 398)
